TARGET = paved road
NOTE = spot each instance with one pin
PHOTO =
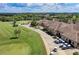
(49, 42)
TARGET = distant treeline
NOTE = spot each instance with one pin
(65, 17)
(19, 17)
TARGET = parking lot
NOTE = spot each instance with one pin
(63, 44)
(62, 47)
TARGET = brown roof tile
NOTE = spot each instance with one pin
(71, 31)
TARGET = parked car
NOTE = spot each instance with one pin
(57, 37)
(68, 45)
(52, 53)
(56, 41)
(55, 49)
(64, 47)
(61, 41)
(61, 45)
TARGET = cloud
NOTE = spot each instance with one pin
(38, 7)
(35, 4)
(2, 5)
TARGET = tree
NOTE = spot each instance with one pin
(34, 23)
(3, 18)
(14, 23)
(74, 19)
(17, 33)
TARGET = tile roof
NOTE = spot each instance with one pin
(71, 31)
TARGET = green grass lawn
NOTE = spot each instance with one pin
(29, 42)
(25, 22)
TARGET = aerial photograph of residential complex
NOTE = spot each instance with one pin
(39, 28)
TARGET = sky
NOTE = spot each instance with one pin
(39, 7)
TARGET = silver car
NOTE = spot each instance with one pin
(64, 47)
(61, 45)
(61, 41)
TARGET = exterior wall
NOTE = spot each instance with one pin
(78, 45)
(52, 32)
(75, 44)
(63, 37)
(58, 34)
(67, 40)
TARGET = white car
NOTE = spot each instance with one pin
(55, 49)
(57, 37)
(61, 45)
(66, 43)
(61, 41)
(69, 46)
(52, 53)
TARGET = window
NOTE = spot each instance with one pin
(66, 39)
(78, 44)
(73, 43)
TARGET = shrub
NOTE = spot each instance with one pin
(34, 23)
(76, 53)
(54, 37)
(13, 38)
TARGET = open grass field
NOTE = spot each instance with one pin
(23, 22)
(28, 43)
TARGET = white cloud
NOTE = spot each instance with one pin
(42, 7)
